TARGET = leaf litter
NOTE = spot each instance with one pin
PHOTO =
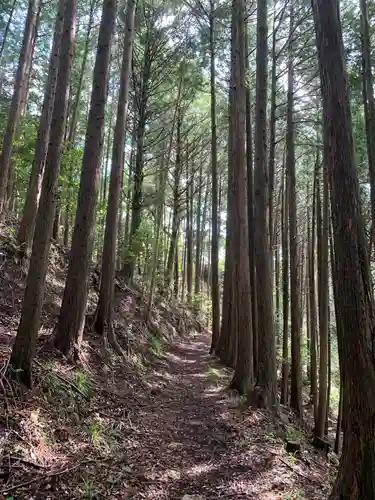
(157, 424)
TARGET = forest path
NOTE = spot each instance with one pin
(192, 438)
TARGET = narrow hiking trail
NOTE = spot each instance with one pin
(191, 437)
(173, 433)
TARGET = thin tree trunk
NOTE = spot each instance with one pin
(312, 298)
(70, 326)
(296, 368)
(15, 106)
(337, 446)
(369, 101)
(323, 222)
(75, 114)
(155, 252)
(285, 279)
(215, 297)
(6, 31)
(176, 205)
(176, 270)
(189, 233)
(25, 343)
(197, 284)
(271, 156)
(250, 213)
(136, 214)
(27, 224)
(104, 311)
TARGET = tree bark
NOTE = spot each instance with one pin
(271, 156)
(312, 298)
(104, 311)
(15, 106)
(322, 227)
(296, 367)
(215, 297)
(266, 394)
(369, 101)
(240, 313)
(137, 201)
(176, 205)
(197, 283)
(70, 326)
(250, 211)
(27, 224)
(356, 476)
(285, 279)
(189, 230)
(24, 346)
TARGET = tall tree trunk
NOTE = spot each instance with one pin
(137, 200)
(130, 189)
(354, 305)
(285, 279)
(75, 115)
(104, 311)
(27, 224)
(176, 205)
(159, 215)
(215, 297)
(312, 297)
(337, 445)
(70, 326)
(322, 227)
(266, 390)
(240, 312)
(197, 283)
(369, 101)
(276, 245)
(189, 232)
(24, 346)
(15, 106)
(271, 156)
(12, 180)
(250, 211)
(296, 368)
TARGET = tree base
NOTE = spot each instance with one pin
(260, 398)
(241, 385)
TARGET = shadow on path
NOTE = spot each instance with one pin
(193, 439)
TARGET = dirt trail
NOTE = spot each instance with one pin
(191, 438)
(176, 433)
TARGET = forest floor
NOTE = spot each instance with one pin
(159, 424)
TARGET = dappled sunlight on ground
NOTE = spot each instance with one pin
(158, 425)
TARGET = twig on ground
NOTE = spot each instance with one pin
(26, 461)
(45, 476)
(297, 471)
